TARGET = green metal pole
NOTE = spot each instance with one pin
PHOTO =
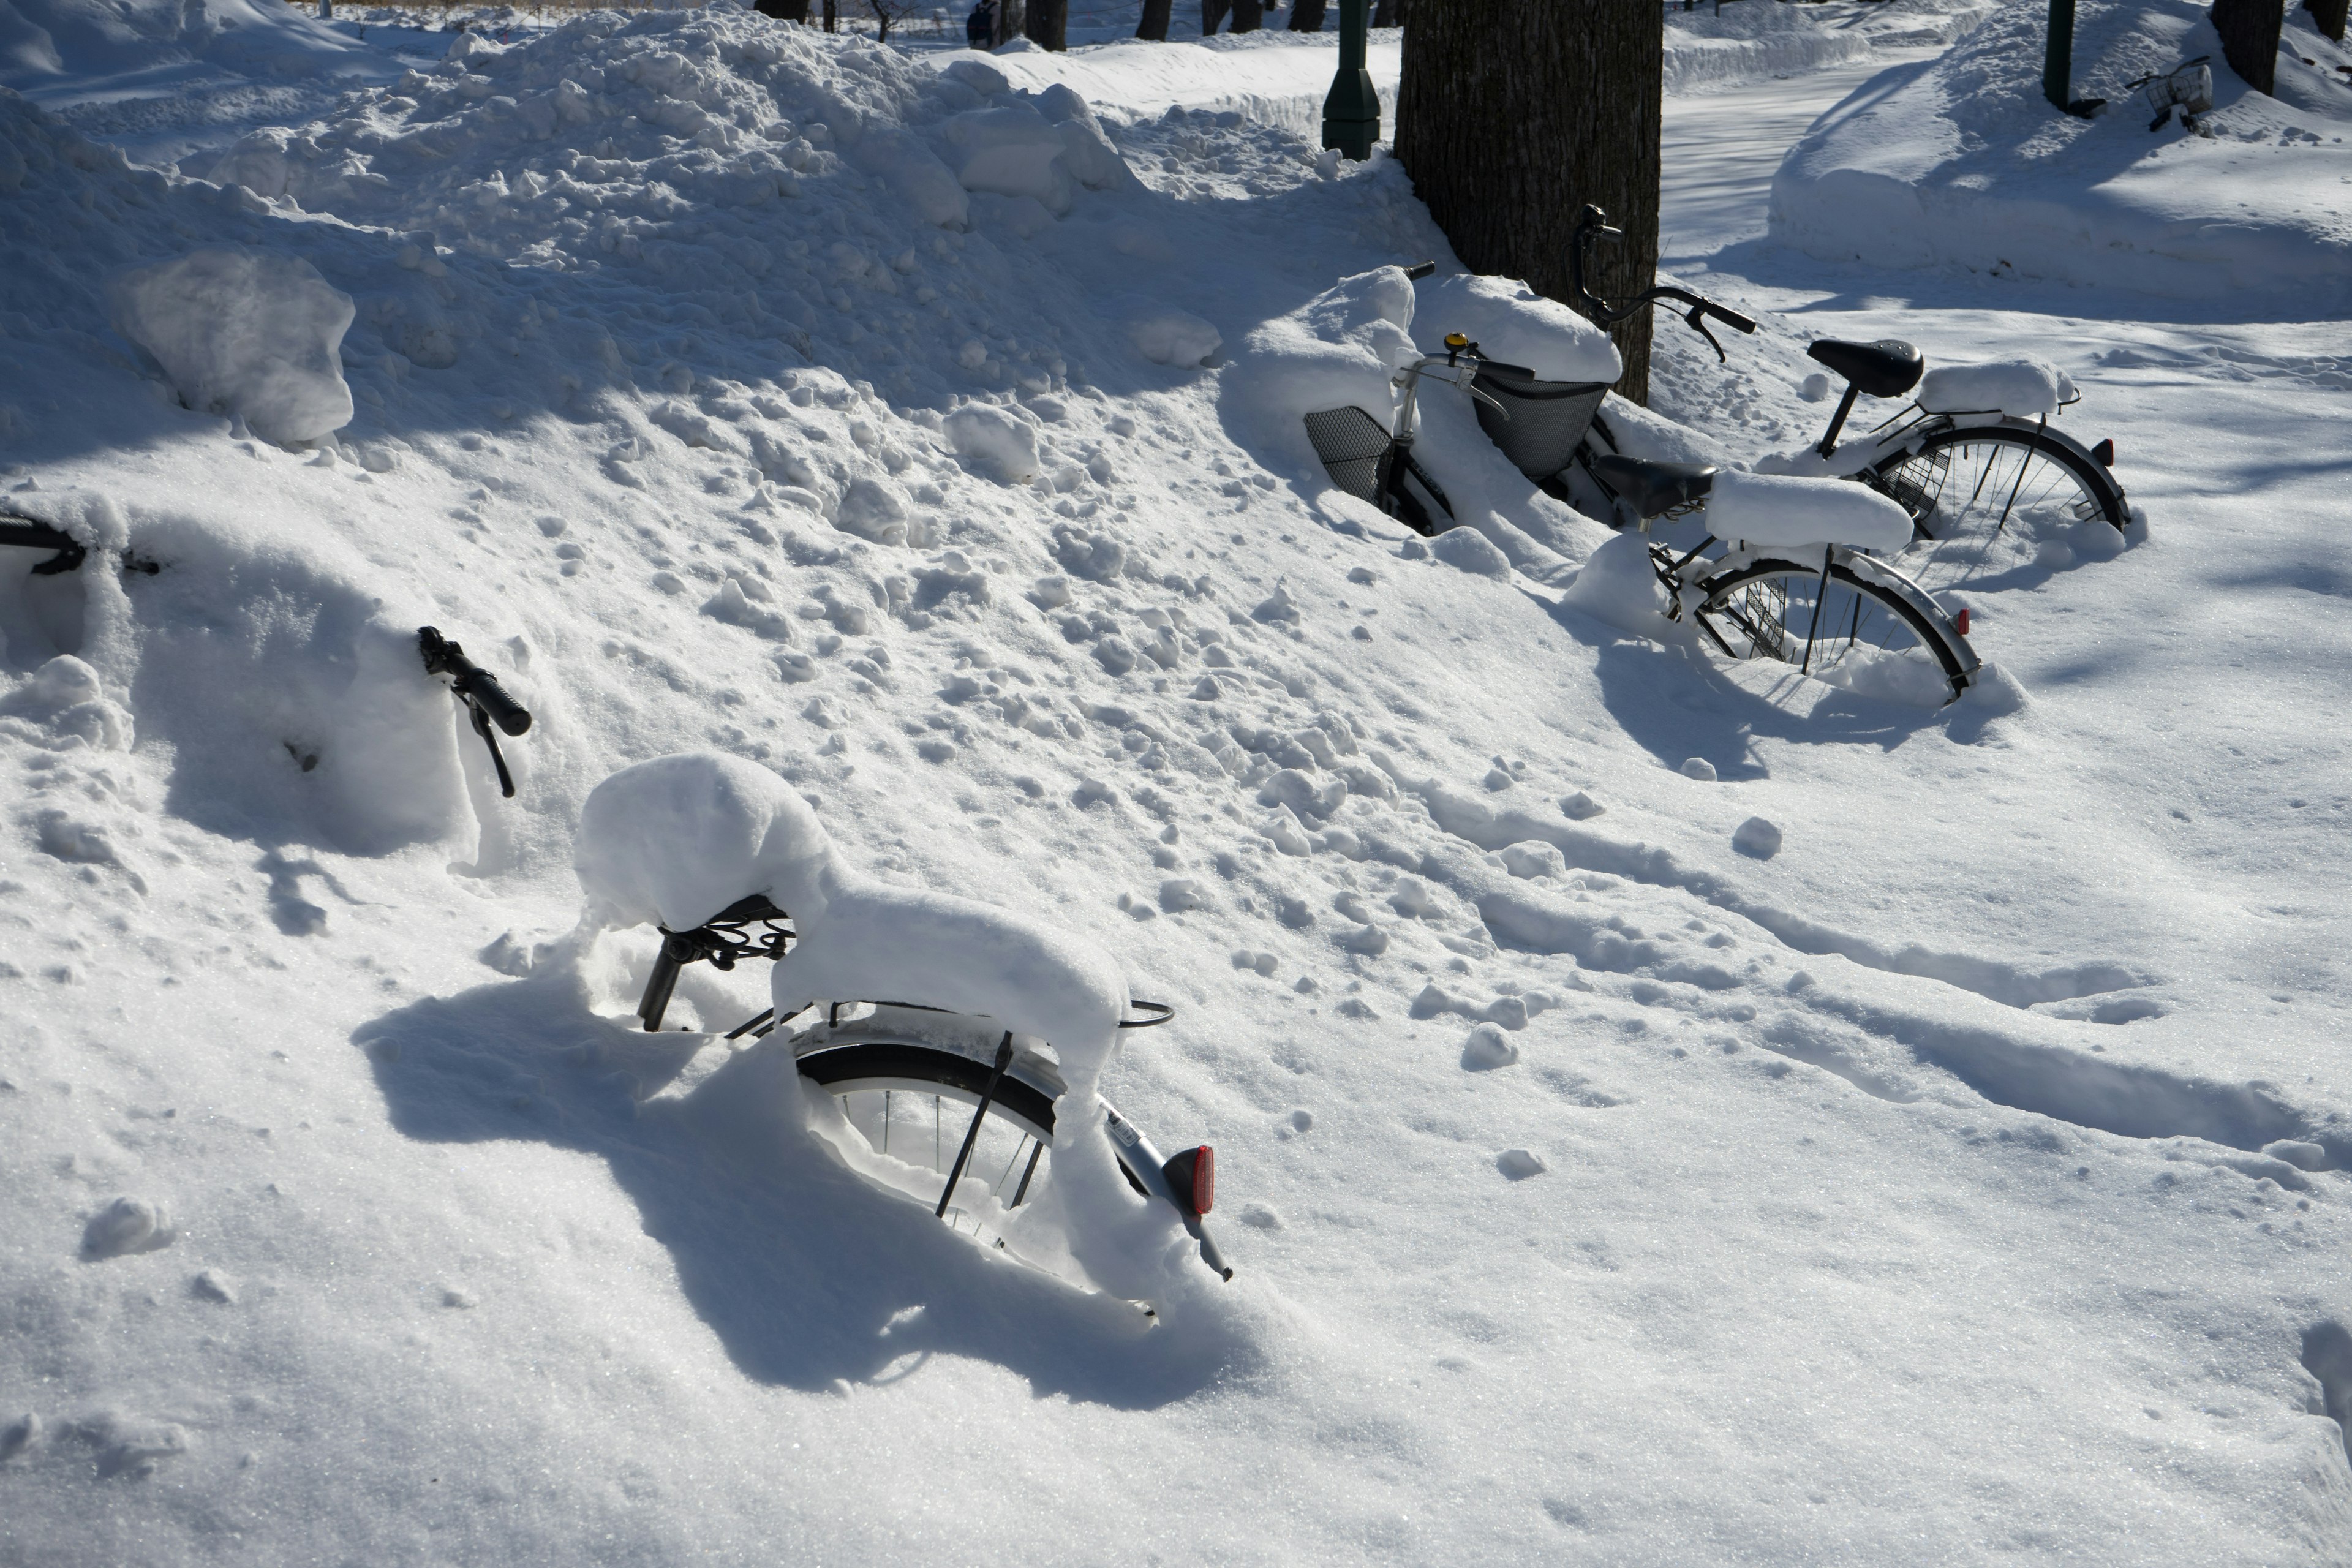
(1351, 112)
(2058, 57)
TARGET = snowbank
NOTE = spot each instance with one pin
(1960, 161)
(1752, 39)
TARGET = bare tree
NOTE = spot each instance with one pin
(2329, 16)
(1212, 12)
(833, 15)
(889, 13)
(1249, 16)
(1152, 26)
(785, 10)
(1307, 15)
(1010, 20)
(1390, 14)
(1048, 24)
(1513, 115)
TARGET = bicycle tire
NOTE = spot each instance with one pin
(1965, 485)
(1867, 604)
(914, 1084)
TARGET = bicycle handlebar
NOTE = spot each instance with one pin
(474, 685)
(479, 692)
(1593, 224)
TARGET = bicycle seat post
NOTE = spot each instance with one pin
(1837, 421)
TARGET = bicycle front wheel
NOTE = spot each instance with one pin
(1983, 499)
(1860, 625)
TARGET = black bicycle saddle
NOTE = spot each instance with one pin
(1884, 369)
(1652, 487)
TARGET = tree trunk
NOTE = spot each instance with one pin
(1212, 12)
(1513, 115)
(1307, 15)
(1049, 24)
(2250, 39)
(833, 15)
(2329, 14)
(785, 10)
(1249, 16)
(1010, 21)
(1390, 14)
(1154, 23)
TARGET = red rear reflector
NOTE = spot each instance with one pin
(2105, 453)
(1961, 621)
(1193, 1177)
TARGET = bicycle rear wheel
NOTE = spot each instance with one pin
(914, 1105)
(1986, 498)
(1861, 624)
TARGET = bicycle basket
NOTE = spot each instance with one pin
(1547, 418)
(1351, 444)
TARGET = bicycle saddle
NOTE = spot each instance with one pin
(1652, 487)
(1884, 369)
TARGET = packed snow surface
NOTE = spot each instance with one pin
(1957, 1170)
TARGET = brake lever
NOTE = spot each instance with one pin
(1471, 387)
(1697, 321)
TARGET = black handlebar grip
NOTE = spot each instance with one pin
(470, 681)
(1420, 270)
(1732, 318)
(505, 713)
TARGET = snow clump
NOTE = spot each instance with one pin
(247, 333)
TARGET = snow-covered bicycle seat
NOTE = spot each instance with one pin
(1889, 368)
(1652, 487)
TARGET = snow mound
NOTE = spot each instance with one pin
(246, 332)
(1759, 39)
(1960, 161)
(1511, 322)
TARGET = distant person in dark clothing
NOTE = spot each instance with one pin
(980, 27)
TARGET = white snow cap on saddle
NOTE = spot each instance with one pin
(1782, 511)
(2021, 388)
(677, 839)
(1511, 322)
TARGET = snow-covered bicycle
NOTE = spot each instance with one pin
(1792, 569)
(950, 1108)
(1969, 454)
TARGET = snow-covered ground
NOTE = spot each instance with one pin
(1959, 161)
(1960, 1182)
